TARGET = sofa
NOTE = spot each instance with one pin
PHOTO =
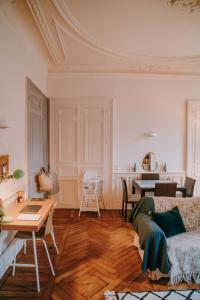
(176, 257)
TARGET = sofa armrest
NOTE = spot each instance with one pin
(153, 241)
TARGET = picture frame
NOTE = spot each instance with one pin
(4, 166)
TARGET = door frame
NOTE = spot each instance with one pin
(193, 122)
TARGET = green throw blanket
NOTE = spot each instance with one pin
(151, 237)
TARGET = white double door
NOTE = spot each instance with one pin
(81, 138)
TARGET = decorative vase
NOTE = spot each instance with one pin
(134, 167)
(165, 167)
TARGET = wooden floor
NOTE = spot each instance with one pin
(96, 255)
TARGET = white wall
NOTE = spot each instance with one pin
(18, 60)
(141, 104)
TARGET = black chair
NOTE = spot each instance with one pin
(150, 176)
(189, 184)
(127, 199)
(165, 189)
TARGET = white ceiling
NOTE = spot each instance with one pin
(140, 36)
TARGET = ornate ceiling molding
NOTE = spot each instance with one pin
(79, 30)
(73, 36)
(59, 34)
(36, 10)
(81, 35)
(67, 28)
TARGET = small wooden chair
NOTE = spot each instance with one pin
(189, 184)
(165, 189)
(127, 199)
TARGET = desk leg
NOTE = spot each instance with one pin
(36, 261)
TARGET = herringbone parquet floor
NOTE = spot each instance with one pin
(96, 255)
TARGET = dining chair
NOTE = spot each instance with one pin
(127, 199)
(189, 184)
(165, 189)
(150, 176)
(40, 235)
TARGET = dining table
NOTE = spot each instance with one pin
(144, 186)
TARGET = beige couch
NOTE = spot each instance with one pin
(183, 249)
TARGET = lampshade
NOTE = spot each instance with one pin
(17, 174)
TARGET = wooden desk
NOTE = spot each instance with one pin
(32, 226)
(149, 186)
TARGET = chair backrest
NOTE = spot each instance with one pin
(89, 174)
(49, 222)
(189, 184)
(91, 179)
(124, 189)
(165, 189)
(150, 176)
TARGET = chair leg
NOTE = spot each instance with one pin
(54, 240)
(97, 203)
(13, 270)
(81, 203)
(36, 261)
(24, 246)
(125, 215)
(48, 256)
(122, 208)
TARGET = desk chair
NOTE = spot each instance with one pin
(127, 199)
(189, 184)
(40, 235)
(165, 189)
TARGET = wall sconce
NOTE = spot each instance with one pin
(151, 134)
(4, 125)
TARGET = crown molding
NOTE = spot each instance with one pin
(111, 75)
(133, 69)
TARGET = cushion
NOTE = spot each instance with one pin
(169, 221)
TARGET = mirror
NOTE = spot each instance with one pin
(149, 162)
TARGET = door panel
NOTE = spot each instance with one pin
(38, 136)
(67, 145)
(94, 142)
(68, 192)
(81, 138)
